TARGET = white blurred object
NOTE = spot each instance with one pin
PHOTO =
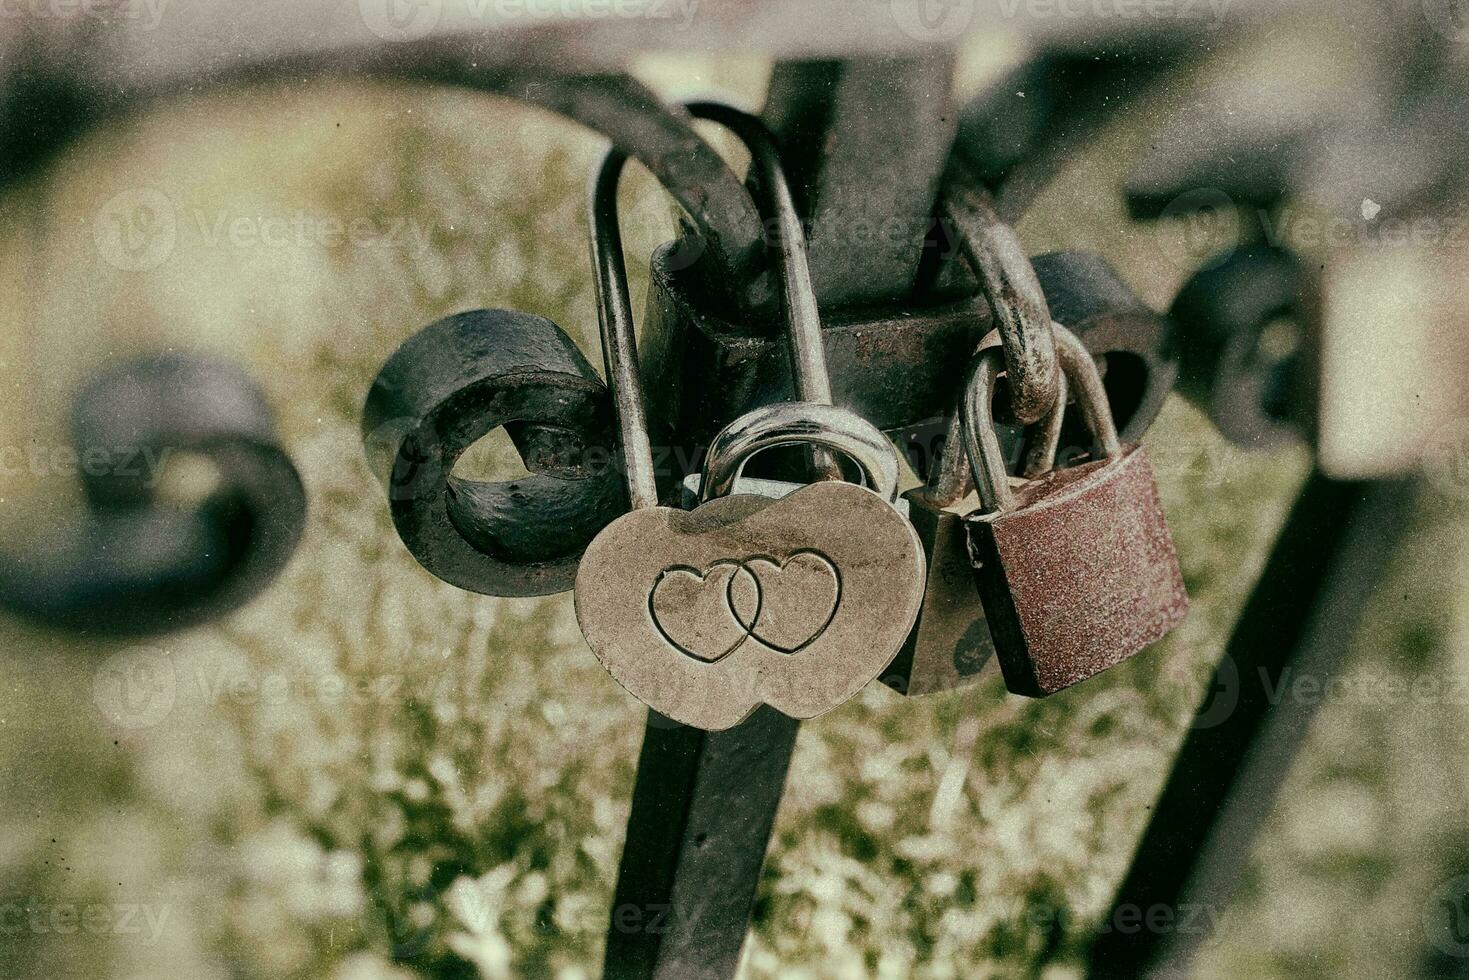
(1394, 359)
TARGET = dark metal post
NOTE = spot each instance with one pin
(701, 820)
(1300, 619)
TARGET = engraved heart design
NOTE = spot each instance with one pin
(798, 600)
(663, 597)
(784, 605)
(705, 614)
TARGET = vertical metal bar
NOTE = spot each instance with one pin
(702, 814)
(1300, 619)
(704, 803)
(866, 141)
(619, 333)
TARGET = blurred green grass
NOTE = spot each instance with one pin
(459, 811)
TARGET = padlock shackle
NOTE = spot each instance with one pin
(794, 424)
(614, 304)
(982, 442)
(809, 371)
(619, 332)
(1010, 287)
(1091, 394)
(773, 194)
(953, 477)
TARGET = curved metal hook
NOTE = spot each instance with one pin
(137, 565)
(1013, 292)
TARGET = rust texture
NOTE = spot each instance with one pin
(1079, 576)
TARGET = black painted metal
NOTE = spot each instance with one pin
(139, 563)
(894, 366)
(1299, 621)
(867, 197)
(1254, 396)
(450, 384)
(702, 815)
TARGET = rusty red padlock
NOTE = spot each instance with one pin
(1076, 568)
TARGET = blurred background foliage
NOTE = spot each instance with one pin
(370, 774)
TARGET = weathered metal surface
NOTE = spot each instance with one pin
(706, 615)
(950, 644)
(865, 142)
(704, 805)
(1080, 576)
(1135, 348)
(1252, 389)
(449, 385)
(976, 408)
(1009, 286)
(797, 423)
(619, 333)
(892, 367)
(796, 603)
(1076, 568)
(702, 813)
(1298, 621)
(137, 564)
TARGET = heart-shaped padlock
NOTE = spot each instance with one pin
(796, 602)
